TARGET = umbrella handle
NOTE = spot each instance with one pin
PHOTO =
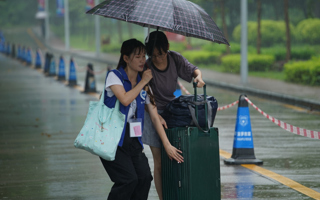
(147, 39)
(147, 65)
(155, 39)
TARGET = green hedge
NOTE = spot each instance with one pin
(178, 46)
(272, 32)
(111, 48)
(214, 47)
(297, 53)
(198, 57)
(234, 48)
(308, 31)
(231, 63)
(304, 72)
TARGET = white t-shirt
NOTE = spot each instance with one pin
(113, 79)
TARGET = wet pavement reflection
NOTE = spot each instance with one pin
(40, 118)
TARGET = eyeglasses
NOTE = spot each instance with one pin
(160, 56)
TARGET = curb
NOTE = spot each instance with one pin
(308, 104)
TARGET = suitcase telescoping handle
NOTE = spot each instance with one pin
(205, 106)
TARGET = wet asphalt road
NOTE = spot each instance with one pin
(40, 118)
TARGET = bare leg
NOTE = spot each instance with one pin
(156, 153)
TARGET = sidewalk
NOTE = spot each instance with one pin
(294, 94)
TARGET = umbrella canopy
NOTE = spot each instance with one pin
(177, 16)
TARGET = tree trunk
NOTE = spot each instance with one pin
(119, 31)
(286, 13)
(259, 26)
(224, 24)
(304, 9)
(234, 13)
(110, 26)
(317, 11)
(310, 8)
(214, 14)
(130, 30)
(275, 6)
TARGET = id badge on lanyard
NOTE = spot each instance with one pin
(135, 127)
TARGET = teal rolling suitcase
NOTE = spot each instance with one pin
(198, 177)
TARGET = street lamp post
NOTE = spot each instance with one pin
(97, 30)
(66, 25)
(46, 19)
(244, 42)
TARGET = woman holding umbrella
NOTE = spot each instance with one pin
(166, 67)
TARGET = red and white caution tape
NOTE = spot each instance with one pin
(98, 72)
(183, 88)
(286, 126)
(228, 106)
(88, 69)
(77, 67)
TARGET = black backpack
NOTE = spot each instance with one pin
(181, 111)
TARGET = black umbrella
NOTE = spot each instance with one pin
(177, 16)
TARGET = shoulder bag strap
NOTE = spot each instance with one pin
(194, 119)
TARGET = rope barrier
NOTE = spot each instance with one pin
(286, 126)
(78, 68)
(228, 106)
(183, 88)
(88, 69)
(98, 72)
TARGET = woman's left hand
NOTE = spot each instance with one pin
(174, 153)
(199, 80)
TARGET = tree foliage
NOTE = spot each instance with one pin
(17, 13)
(272, 32)
(22, 13)
(308, 31)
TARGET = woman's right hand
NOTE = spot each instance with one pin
(147, 75)
(163, 122)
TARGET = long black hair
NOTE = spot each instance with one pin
(133, 46)
(128, 47)
(157, 39)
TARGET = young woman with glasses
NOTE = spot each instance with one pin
(166, 66)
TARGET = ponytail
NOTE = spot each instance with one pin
(121, 62)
